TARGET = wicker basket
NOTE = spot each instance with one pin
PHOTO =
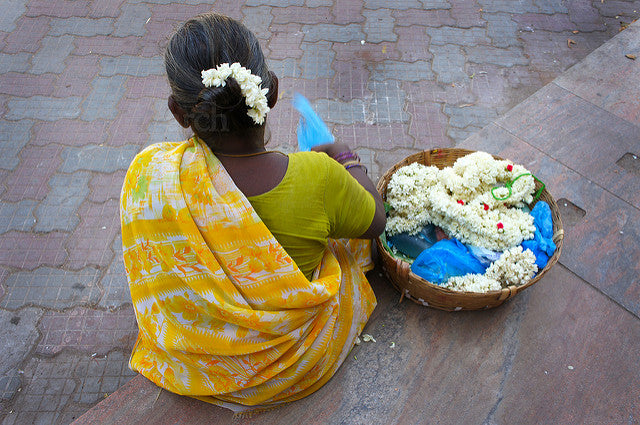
(426, 293)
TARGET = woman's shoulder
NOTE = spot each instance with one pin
(151, 162)
(158, 148)
(318, 163)
(155, 150)
(311, 163)
(310, 157)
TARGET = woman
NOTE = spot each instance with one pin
(243, 293)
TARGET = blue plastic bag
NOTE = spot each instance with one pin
(484, 255)
(312, 131)
(542, 244)
(413, 245)
(445, 259)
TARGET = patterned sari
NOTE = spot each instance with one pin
(224, 314)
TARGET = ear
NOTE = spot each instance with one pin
(272, 96)
(178, 112)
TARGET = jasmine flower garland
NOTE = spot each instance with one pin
(514, 267)
(407, 194)
(255, 97)
(472, 283)
(476, 174)
(459, 199)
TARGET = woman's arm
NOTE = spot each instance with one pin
(379, 218)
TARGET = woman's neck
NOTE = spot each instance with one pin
(250, 142)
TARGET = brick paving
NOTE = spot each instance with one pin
(82, 90)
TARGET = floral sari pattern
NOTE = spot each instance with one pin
(224, 314)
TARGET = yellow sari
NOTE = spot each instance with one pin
(224, 314)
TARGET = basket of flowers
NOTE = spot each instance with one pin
(464, 229)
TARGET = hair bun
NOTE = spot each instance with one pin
(202, 44)
(220, 109)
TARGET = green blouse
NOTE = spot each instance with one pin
(317, 199)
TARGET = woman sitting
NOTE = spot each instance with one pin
(245, 265)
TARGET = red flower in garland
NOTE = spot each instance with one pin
(460, 201)
(509, 167)
(486, 207)
(500, 226)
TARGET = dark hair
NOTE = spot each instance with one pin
(202, 43)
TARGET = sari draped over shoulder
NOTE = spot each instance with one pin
(224, 314)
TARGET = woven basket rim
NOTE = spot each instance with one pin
(503, 294)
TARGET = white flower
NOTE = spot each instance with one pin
(368, 338)
(459, 200)
(257, 117)
(514, 267)
(255, 97)
(252, 94)
(210, 78)
(472, 283)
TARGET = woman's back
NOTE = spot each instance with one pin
(316, 199)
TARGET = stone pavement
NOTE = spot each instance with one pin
(82, 90)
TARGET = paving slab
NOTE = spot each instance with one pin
(73, 81)
(594, 82)
(52, 53)
(58, 209)
(98, 221)
(57, 390)
(23, 183)
(86, 330)
(51, 287)
(32, 251)
(17, 215)
(27, 33)
(43, 107)
(68, 132)
(584, 137)
(14, 83)
(19, 335)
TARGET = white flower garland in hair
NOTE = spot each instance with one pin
(460, 201)
(255, 97)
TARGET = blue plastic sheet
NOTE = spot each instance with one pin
(312, 131)
(542, 244)
(413, 245)
(446, 258)
(484, 255)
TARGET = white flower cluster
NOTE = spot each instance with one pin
(473, 176)
(459, 200)
(255, 97)
(515, 267)
(408, 194)
(472, 283)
